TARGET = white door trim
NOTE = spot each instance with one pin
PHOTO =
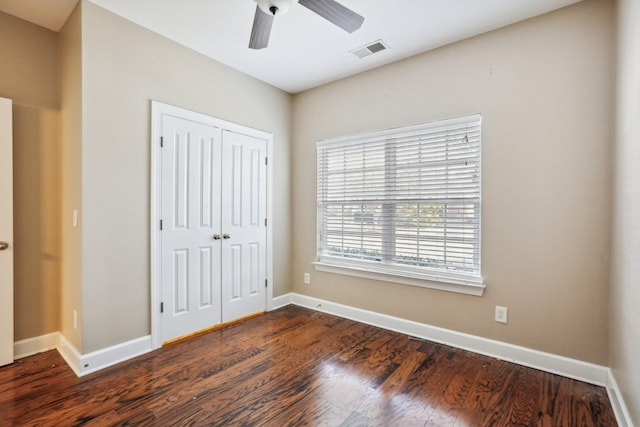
(158, 109)
(6, 232)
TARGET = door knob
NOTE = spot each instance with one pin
(216, 237)
(3, 246)
(226, 236)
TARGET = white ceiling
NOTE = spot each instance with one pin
(305, 50)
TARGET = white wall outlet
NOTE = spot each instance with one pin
(501, 314)
(75, 319)
(75, 218)
(307, 278)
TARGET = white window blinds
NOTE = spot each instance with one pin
(405, 201)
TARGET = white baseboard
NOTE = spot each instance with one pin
(31, 346)
(82, 364)
(617, 402)
(70, 354)
(281, 301)
(571, 368)
(100, 359)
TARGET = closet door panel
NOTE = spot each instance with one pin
(243, 224)
(191, 260)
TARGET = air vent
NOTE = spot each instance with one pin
(370, 49)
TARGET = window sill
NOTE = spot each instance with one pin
(471, 286)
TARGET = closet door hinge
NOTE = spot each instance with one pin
(161, 225)
(162, 141)
(265, 222)
(266, 161)
(161, 307)
(265, 283)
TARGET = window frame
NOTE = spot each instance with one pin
(466, 282)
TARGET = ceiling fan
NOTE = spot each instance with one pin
(330, 10)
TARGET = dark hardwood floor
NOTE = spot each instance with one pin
(296, 367)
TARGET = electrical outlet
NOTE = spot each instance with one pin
(307, 278)
(75, 319)
(501, 314)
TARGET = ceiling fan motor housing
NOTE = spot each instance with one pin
(275, 7)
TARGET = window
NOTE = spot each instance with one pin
(403, 205)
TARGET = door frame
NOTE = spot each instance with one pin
(6, 234)
(158, 110)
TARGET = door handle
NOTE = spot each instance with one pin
(216, 237)
(3, 246)
(226, 236)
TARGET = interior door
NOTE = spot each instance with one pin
(6, 232)
(244, 228)
(190, 226)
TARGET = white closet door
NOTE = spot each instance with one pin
(6, 232)
(244, 199)
(191, 218)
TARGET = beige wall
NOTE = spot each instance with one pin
(124, 68)
(29, 76)
(71, 123)
(544, 88)
(625, 289)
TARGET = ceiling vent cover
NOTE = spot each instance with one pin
(370, 49)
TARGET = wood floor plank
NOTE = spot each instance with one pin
(523, 401)
(489, 396)
(297, 367)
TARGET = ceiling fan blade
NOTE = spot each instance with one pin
(261, 30)
(336, 13)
